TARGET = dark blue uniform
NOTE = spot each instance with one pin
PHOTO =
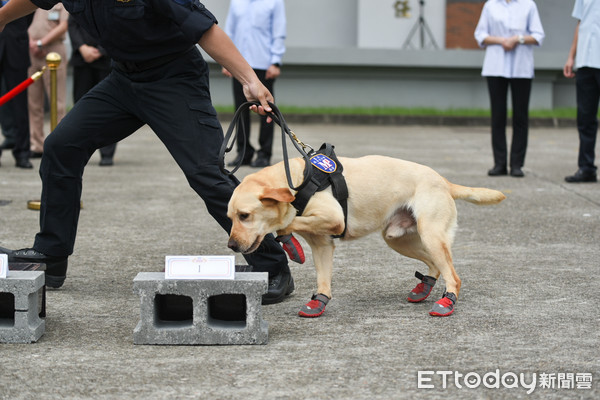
(160, 79)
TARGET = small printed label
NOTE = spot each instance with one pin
(3, 265)
(200, 267)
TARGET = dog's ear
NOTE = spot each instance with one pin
(277, 194)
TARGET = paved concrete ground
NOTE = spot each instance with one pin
(528, 305)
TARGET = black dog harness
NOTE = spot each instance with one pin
(326, 171)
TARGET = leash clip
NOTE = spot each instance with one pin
(301, 143)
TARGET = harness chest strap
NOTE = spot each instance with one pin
(327, 171)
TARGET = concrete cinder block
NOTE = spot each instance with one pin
(201, 312)
(21, 307)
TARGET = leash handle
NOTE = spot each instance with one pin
(237, 120)
(277, 117)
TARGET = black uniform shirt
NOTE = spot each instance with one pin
(140, 30)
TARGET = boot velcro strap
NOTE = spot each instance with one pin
(430, 280)
(321, 297)
(451, 296)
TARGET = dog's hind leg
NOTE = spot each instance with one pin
(410, 246)
(437, 244)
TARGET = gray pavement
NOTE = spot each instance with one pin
(528, 305)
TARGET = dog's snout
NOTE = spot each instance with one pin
(233, 245)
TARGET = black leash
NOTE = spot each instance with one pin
(277, 117)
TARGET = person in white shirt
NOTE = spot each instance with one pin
(258, 30)
(584, 55)
(508, 30)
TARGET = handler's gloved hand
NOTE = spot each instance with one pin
(292, 247)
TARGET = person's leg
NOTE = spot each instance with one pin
(20, 151)
(99, 118)
(35, 104)
(265, 138)
(85, 77)
(520, 93)
(498, 90)
(7, 118)
(588, 94)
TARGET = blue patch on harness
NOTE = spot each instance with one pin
(183, 2)
(323, 163)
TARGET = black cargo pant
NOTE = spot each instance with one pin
(174, 100)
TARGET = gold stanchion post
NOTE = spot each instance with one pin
(53, 61)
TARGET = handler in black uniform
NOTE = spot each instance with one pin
(160, 79)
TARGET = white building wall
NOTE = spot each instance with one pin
(352, 53)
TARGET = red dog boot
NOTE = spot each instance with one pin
(292, 247)
(444, 306)
(423, 289)
(315, 307)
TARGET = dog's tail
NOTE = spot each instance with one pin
(482, 196)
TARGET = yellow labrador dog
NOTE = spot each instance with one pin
(411, 204)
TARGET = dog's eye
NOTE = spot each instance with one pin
(243, 216)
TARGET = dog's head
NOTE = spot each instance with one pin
(257, 209)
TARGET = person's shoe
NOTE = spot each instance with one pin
(35, 154)
(106, 162)
(23, 162)
(280, 286)
(56, 267)
(7, 144)
(516, 172)
(498, 170)
(245, 160)
(260, 162)
(581, 176)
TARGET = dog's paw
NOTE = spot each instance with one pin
(444, 306)
(292, 247)
(423, 289)
(315, 307)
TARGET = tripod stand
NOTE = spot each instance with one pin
(423, 28)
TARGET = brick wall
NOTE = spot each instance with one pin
(461, 19)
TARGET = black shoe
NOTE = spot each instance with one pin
(581, 176)
(280, 286)
(498, 170)
(106, 162)
(7, 144)
(35, 154)
(23, 162)
(56, 267)
(516, 172)
(260, 162)
(244, 159)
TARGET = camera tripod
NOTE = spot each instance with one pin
(423, 28)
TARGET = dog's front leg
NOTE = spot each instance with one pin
(322, 250)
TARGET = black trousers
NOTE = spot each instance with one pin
(265, 137)
(174, 101)
(18, 122)
(85, 77)
(588, 97)
(520, 90)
